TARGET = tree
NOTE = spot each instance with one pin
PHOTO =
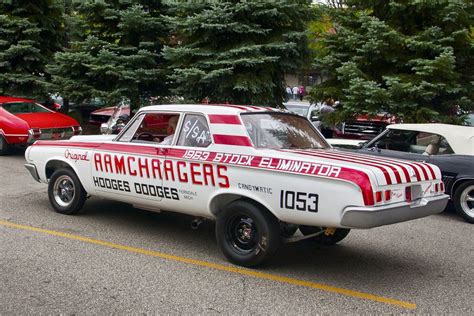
(413, 59)
(117, 54)
(30, 33)
(236, 51)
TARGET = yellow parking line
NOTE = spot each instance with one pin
(241, 271)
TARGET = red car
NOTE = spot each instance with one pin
(364, 127)
(23, 121)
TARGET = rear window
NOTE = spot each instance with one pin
(23, 107)
(282, 131)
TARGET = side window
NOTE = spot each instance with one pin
(414, 142)
(130, 131)
(194, 132)
(397, 140)
(152, 127)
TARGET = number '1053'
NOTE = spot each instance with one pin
(300, 201)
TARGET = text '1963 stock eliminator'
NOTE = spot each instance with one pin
(261, 173)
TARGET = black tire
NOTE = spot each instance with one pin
(327, 238)
(4, 146)
(66, 193)
(246, 234)
(464, 201)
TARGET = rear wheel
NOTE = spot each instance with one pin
(65, 192)
(329, 236)
(246, 234)
(4, 146)
(464, 201)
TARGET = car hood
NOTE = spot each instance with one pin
(385, 171)
(47, 120)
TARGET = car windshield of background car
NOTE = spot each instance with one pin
(298, 109)
(282, 131)
(24, 107)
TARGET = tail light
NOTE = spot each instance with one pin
(441, 187)
(437, 187)
(77, 130)
(383, 196)
(408, 196)
(378, 196)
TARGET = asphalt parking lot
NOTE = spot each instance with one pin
(116, 259)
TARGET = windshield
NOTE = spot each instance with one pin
(282, 131)
(23, 107)
(298, 109)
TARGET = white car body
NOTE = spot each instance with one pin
(321, 187)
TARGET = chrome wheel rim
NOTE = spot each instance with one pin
(63, 191)
(467, 200)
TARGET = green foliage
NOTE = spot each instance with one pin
(30, 33)
(413, 59)
(236, 51)
(114, 52)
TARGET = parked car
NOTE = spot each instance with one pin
(305, 109)
(86, 107)
(363, 127)
(344, 143)
(111, 119)
(259, 172)
(22, 121)
(450, 147)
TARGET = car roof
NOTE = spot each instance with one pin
(209, 108)
(460, 138)
(4, 99)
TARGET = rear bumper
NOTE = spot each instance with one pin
(32, 169)
(369, 217)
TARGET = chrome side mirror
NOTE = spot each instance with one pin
(104, 128)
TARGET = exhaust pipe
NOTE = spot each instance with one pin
(195, 223)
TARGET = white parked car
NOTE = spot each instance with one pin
(259, 172)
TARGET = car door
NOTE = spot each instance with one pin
(132, 167)
(194, 177)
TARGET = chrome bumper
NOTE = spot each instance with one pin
(32, 169)
(369, 217)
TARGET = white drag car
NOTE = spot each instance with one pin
(259, 172)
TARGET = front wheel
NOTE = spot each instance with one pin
(4, 146)
(246, 234)
(464, 201)
(65, 192)
(329, 236)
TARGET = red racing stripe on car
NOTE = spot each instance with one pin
(363, 160)
(369, 159)
(65, 144)
(423, 168)
(394, 161)
(232, 140)
(234, 106)
(224, 119)
(397, 163)
(322, 155)
(357, 177)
